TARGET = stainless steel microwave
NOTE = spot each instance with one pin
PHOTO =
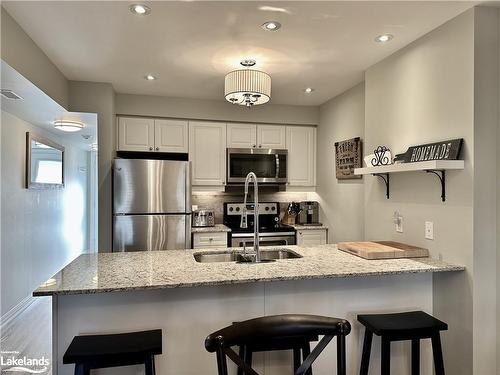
(269, 165)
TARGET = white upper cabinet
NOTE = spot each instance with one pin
(136, 134)
(241, 135)
(171, 136)
(301, 145)
(256, 136)
(271, 136)
(207, 152)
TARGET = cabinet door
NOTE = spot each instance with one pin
(311, 237)
(271, 136)
(241, 136)
(136, 134)
(171, 136)
(301, 145)
(204, 240)
(207, 152)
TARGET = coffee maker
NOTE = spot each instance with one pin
(309, 213)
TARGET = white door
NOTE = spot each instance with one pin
(271, 136)
(241, 136)
(207, 152)
(301, 145)
(136, 134)
(311, 237)
(171, 136)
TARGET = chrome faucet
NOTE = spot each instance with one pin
(243, 224)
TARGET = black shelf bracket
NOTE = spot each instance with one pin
(441, 174)
(385, 177)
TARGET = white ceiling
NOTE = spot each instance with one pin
(191, 45)
(41, 110)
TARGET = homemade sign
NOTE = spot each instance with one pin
(444, 150)
(347, 157)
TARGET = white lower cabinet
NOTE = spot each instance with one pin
(301, 145)
(213, 239)
(207, 153)
(311, 237)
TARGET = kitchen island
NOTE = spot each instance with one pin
(123, 292)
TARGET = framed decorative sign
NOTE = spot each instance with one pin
(444, 150)
(348, 155)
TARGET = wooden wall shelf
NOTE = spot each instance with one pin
(436, 167)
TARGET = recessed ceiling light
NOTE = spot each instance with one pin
(384, 38)
(68, 125)
(308, 90)
(140, 9)
(150, 77)
(271, 25)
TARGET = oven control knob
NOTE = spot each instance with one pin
(267, 208)
(230, 209)
(237, 208)
(273, 208)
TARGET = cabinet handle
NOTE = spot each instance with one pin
(300, 233)
(254, 146)
(151, 149)
(157, 148)
(260, 146)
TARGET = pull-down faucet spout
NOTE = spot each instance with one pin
(243, 224)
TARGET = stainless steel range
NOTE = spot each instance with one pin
(271, 231)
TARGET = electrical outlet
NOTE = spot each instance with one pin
(429, 230)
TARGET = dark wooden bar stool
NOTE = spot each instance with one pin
(123, 349)
(414, 326)
(270, 333)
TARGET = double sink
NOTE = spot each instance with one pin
(240, 257)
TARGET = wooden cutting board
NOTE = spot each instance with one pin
(383, 250)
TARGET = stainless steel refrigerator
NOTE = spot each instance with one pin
(151, 205)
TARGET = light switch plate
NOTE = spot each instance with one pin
(429, 230)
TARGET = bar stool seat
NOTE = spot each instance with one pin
(89, 352)
(412, 325)
(276, 333)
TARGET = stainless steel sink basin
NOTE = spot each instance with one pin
(237, 256)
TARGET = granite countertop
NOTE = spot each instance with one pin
(216, 228)
(110, 272)
(309, 227)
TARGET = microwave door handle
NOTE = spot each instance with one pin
(277, 165)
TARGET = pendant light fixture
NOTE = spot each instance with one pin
(247, 87)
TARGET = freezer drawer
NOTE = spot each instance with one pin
(151, 186)
(151, 232)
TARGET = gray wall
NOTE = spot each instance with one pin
(485, 188)
(42, 230)
(219, 110)
(20, 52)
(341, 201)
(424, 93)
(99, 98)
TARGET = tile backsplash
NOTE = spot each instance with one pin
(215, 200)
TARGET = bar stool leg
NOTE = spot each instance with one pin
(296, 359)
(341, 360)
(365, 357)
(306, 350)
(241, 353)
(148, 365)
(221, 361)
(386, 356)
(415, 357)
(438, 354)
(81, 370)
